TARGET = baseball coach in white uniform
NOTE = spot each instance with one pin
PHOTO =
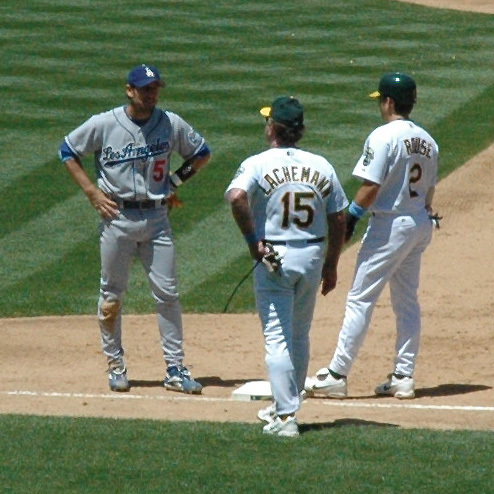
(289, 205)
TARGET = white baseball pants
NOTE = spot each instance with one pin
(286, 302)
(391, 251)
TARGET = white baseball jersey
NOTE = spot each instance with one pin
(288, 189)
(290, 192)
(403, 188)
(133, 162)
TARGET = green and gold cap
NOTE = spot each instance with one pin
(401, 87)
(285, 110)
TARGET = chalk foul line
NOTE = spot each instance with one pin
(202, 398)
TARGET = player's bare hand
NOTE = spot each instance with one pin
(104, 205)
(329, 277)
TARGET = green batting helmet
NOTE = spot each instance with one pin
(401, 87)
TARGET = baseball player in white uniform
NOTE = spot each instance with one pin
(287, 202)
(132, 145)
(398, 170)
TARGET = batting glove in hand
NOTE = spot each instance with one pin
(351, 221)
(435, 220)
(271, 259)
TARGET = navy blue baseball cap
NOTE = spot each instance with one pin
(142, 75)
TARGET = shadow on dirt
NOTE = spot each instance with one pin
(450, 390)
(205, 381)
(222, 383)
(137, 383)
(342, 423)
(441, 390)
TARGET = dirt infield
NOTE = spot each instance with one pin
(54, 365)
(480, 6)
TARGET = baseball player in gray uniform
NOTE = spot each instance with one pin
(398, 170)
(287, 202)
(132, 145)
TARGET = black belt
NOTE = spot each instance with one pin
(142, 204)
(308, 241)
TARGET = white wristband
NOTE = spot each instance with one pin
(175, 180)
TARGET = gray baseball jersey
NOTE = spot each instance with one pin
(132, 161)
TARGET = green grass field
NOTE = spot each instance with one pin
(63, 60)
(60, 455)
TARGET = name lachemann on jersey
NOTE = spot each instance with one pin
(296, 174)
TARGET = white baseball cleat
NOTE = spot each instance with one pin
(279, 427)
(401, 388)
(307, 391)
(267, 414)
(325, 384)
(309, 386)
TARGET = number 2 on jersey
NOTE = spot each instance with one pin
(298, 207)
(415, 176)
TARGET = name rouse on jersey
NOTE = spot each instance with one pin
(416, 145)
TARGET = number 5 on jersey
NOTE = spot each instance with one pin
(159, 170)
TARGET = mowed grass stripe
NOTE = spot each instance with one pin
(54, 233)
(235, 58)
(33, 195)
(40, 114)
(15, 168)
(203, 252)
(76, 289)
